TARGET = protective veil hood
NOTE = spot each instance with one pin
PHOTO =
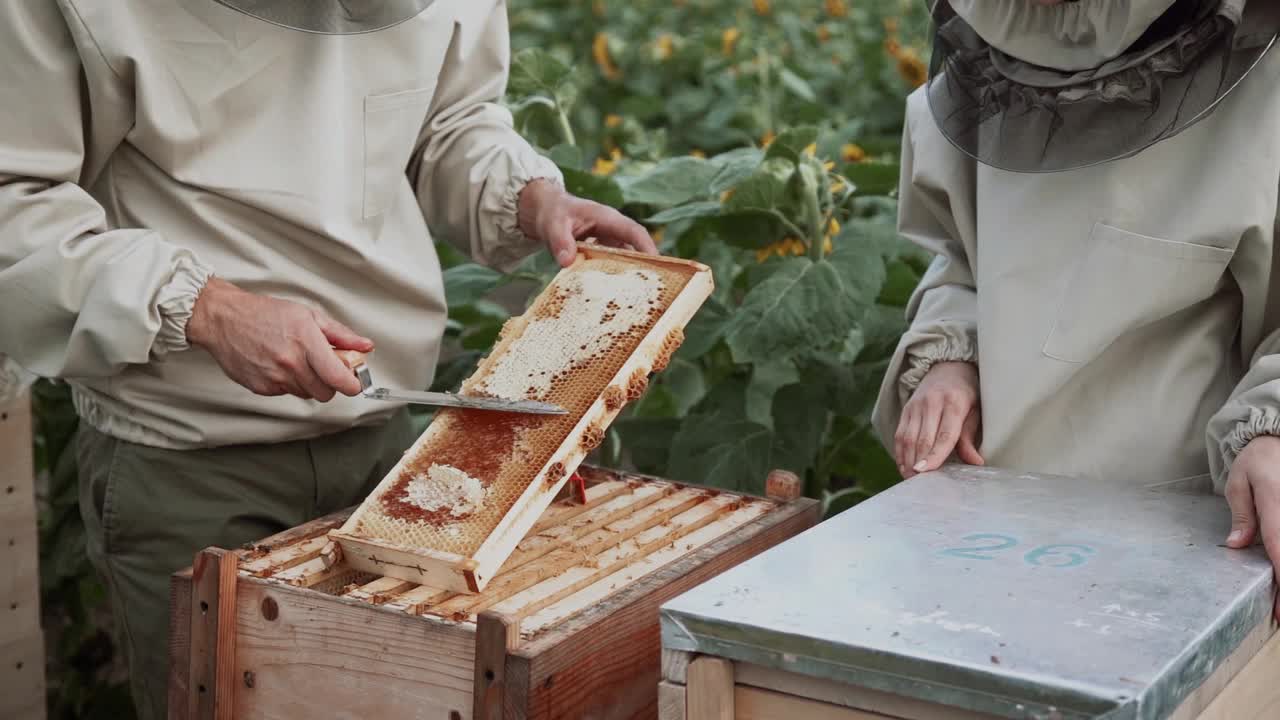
(1068, 36)
(331, 17)
(1044, 88)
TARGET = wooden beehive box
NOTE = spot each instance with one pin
(453, 509)
(21, 639)
(568, 628)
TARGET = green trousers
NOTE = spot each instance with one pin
(147, 511)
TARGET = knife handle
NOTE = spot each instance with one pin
(351, 358)
(356, 361)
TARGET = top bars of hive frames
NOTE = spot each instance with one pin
(524, 460)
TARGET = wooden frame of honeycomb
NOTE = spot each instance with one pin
(452, 511)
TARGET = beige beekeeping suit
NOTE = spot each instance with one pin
(1118, 314)
(146, 144)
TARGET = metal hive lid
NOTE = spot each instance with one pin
(1024, 596)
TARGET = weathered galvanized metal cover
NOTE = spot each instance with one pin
(1023, 596)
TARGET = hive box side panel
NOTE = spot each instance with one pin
(180, 605)
(305, 654)
(671, 701)
(605, 661)
(840, 695)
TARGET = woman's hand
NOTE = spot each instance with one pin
(942, 416)
(1253, 493)
(559, 219)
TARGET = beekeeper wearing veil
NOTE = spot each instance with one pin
(1098, 180)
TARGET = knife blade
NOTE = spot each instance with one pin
(358, 363)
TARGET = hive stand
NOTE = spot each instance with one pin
(568, 628)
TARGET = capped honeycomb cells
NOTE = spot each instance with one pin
(566, 349)
(587, 317)
(444, 487)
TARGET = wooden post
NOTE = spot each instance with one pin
(709, 694)
(211, 691)
(496, 635)
(782, 486)
(22, 689)
(179, 644)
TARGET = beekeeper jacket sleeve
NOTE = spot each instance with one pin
(1253, 408)
(471, 164)
(86, 300)
(936, 201)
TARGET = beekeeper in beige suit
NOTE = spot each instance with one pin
(1099, 182)
(198, 200)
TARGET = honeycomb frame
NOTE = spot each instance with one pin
(374, 538)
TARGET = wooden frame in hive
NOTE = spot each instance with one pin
(523, 461)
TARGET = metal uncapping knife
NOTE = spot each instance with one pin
(358, 364)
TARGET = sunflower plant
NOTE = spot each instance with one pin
(721, 74)
(781, 364)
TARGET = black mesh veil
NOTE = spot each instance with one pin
(331, 17)
(1021, 117)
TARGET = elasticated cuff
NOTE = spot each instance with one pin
(1261, 422)
(176, 301)
(536, 167)
(954, 347)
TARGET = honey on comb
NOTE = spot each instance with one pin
(567, 349)
(475, 450)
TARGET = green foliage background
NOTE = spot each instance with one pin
(758, 136)
(762, 139)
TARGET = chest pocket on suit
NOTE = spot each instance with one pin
(392, 122)
(1126, 281)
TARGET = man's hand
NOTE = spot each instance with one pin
(559, 219)
(273, 346)
(941, 416)
(1253, 493)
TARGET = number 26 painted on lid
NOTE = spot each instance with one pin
(1059, 555)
